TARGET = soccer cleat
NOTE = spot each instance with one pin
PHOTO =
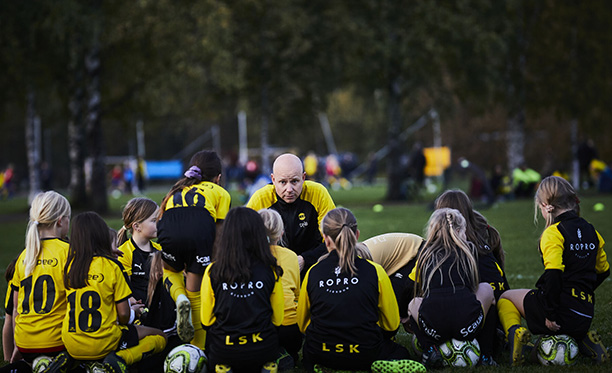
(397, 366)
(113, 363)
(184, 326)
(60, 364)
(487, 361)
(270, 367)
(94, 367)
(591, 346)
(519, 339)
(41, 363)
(284, 361)
(222, 368)
(432, 357)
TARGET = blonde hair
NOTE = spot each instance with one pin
(46, 210)
(136, 210)
(274, 225)
(559, 195)
(341, 226)
(446, 240)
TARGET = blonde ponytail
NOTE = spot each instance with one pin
(341, 226)
(46, 210)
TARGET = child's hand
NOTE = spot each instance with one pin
(138, 308)
(552, 325)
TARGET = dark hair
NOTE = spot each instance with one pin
(10, 270)
(210, 167)
(89, 237)
(243, 238)
(458, 200)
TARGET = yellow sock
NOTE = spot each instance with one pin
(199, 337)
(509, 315)
(174, 282)
(149, 345)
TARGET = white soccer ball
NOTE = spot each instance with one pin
(457, 353)
(41, 363)
(557, 350)
(185, 358)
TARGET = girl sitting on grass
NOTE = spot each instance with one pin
(446, 280)
(242, 297)
(346, 306)
(575, 264)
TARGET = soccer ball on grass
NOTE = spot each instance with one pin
(557, 350)
(185, 358)
(457, 353)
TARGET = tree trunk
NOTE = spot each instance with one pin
(95, 138)
(394, 170)
(515, 140)
(265, 146)
(32, 134)
(78, 197)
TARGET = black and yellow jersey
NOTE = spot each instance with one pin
(302, 218)
(575, 263)
(137, 265)
(242, 318)
(343, 316)
(90, 330)
(490, 271)
(41, 298)
(206, 194)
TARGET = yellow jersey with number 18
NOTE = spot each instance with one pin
(90, 330)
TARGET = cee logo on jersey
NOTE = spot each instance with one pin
(96, 277)
(47, 262)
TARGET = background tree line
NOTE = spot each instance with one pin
(508, 78)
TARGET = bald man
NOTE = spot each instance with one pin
(302, 204)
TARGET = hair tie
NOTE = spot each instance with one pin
(577, 200)
(549, 208)
(123, 227)
(194, 172)
(448, 219)
(35, 222)
(346, 225)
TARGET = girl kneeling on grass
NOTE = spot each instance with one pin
(575, 264)
(97, 323)
(242, 297)
(450, 302)
(347, 305)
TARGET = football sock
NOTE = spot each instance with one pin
(199, 337)
(509, 315)
(149, 345)
(175, 283)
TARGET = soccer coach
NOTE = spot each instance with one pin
(302, 204)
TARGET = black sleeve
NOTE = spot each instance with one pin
(551, 283)
(312, 256)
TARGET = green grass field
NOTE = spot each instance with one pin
(513, 219)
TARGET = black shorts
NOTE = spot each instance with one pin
(403, 287)
(572, 323)
(129, 337)
(445, 315)
(187, 236)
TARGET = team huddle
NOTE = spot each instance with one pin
(284, 281)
